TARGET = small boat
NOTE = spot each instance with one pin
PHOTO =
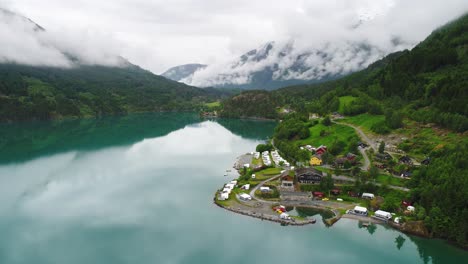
(228, 170)
(225, 175)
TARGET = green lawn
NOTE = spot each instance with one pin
(390, 180)
(335, 132)
(213, 104)
(266, 173)
(364, 121)
(345, 100)
(257, 161)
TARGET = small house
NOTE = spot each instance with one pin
(426, 161)
(406, 160)
(315, 161)
(308, 175)
(320, 150)
(351, 157)
(335, 191)
(406, 174)
(383, 156)
(379, 165)
(339, 162)
(362, 145)
(367, 196)
(287, 181)
(318, 194)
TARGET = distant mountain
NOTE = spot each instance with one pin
(276, 65)
(80, 88)
(178, 73)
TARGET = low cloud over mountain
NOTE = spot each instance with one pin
(23, 41)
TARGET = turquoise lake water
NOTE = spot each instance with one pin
(139, 189)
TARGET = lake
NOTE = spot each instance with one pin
(139, 189)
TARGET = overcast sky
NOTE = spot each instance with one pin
(158, 34)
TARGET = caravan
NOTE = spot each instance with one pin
(368, 196)
(383, 215)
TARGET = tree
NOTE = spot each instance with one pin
(382, 147)
(264, 147)
(326, 121)
(327, 183)
(373, 172)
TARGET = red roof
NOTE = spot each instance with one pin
(319, 194)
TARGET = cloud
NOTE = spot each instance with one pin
(25, 42)
(332, 38)
(158, 35)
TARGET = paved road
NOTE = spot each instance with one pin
(367, 140)
(252, 192)
(366, 164)
(363, 136)
(351, 179)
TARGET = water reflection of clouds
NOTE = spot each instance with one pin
(123, 185)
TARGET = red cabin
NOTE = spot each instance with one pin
(318, 194)
(335, 191)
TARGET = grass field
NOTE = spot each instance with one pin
(213, 104)
(335, 132)
(364, 121)
(267, 173)
(345, 100)
(390, 180)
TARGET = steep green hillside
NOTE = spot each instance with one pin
(28, 92)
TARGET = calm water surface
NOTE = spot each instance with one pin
(139, 189)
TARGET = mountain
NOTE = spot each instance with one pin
(426, 84)
(73, 85)
(280, 64)
(178, 73)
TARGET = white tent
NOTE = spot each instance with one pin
(230, 186)
(383, 214)
(410, 208)
(285, 216)
(368, 195)
(360, 210)
(246, 187)
(265, 189)
(245, 197)
(224, 196)
(234, 182)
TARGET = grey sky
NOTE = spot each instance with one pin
(158, 34)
